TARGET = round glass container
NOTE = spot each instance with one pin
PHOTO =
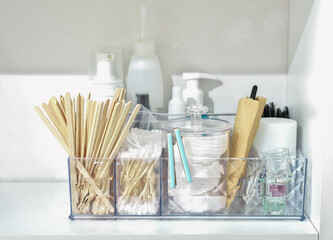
(206, 140)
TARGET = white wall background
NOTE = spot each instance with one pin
(299, 11)
(217, 36)
(310, 97)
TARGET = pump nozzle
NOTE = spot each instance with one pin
(192, 94)
(197, 75)
(144, 46)
(144, 17)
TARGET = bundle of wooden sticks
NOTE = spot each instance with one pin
(92, 133)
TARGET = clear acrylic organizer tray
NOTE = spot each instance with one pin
(124, 188)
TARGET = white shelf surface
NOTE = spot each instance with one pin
(40, 211)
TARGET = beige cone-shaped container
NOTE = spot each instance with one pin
(248, 116)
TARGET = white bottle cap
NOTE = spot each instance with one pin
(275, 133)
(176, 104)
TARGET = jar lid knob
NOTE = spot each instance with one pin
(196, 111)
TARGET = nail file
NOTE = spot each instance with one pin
(172, 170)
(183, 155)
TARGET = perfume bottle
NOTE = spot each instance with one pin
(277, 180)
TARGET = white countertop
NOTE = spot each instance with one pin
(41, 210)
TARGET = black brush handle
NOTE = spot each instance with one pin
(286, 113)
(279, 113)
(254, 92)
(266, 111)
(272, 109)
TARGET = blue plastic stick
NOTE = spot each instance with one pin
(171, 162)
(183, 155)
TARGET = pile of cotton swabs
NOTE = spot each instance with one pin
(89, 130)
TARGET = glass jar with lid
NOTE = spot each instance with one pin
(206, 142)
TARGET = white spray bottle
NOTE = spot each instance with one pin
(177, 104)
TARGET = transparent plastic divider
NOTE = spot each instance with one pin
(138, 186)
(92, 187)
(152, 198)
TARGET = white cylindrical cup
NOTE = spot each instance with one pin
(275, 133)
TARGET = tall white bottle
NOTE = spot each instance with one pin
(144, 72)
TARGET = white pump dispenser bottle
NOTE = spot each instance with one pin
(192, 94)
